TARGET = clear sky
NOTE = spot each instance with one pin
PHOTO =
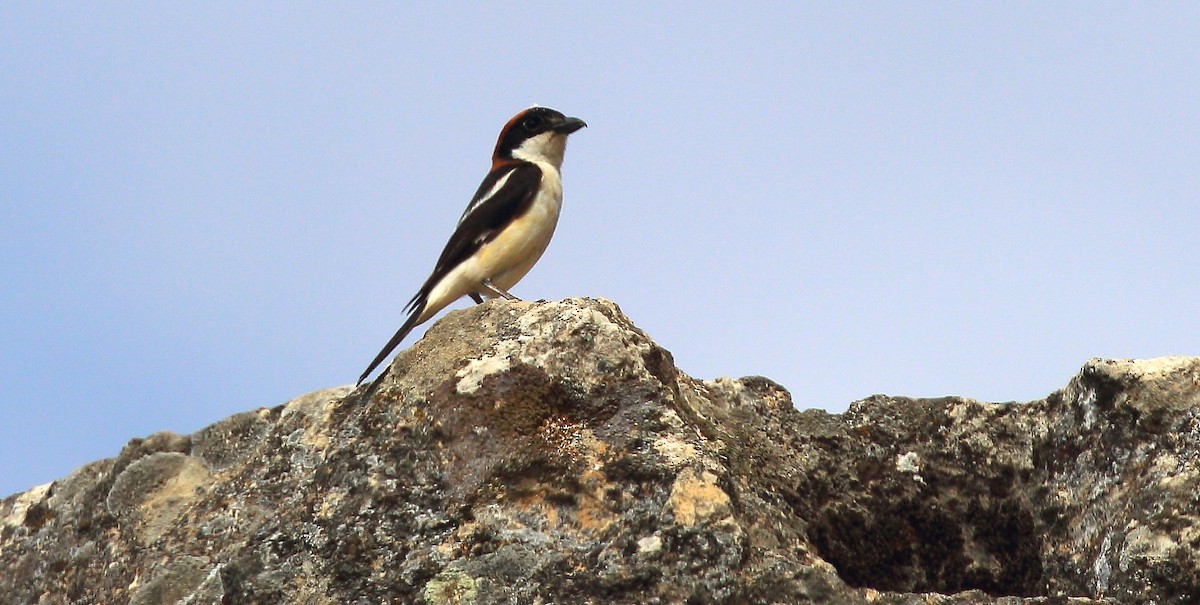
(220, 206)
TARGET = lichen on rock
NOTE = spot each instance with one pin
(528, 452)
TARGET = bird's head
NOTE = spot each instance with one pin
(538, 134)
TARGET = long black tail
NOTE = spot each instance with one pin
(414, 315)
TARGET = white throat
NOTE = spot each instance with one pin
(545, 148)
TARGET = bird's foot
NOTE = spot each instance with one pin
(487, 283)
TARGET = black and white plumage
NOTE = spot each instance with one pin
(506, 227)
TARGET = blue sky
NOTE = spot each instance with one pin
(220, 206)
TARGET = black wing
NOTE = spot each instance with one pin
(489, 211)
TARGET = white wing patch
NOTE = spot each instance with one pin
(487, 196)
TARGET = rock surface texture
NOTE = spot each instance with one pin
(546, 453)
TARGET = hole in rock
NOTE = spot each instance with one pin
(911, 545)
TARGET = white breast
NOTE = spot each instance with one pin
(508, 257)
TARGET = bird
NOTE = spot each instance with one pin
(505, 228)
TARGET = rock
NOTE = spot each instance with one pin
(552, 453)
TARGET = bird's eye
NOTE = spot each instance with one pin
(532, 123)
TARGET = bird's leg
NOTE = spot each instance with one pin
(487, 283)
(476, 297)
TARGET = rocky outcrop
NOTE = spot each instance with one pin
(552, 453)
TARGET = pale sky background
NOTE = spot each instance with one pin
(221, 206)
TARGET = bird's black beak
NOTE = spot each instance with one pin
(570, 125)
